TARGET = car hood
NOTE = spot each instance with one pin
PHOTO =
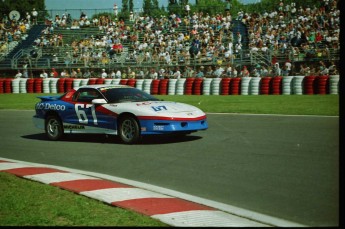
(157, 108)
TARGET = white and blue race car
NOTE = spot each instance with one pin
(115, 110)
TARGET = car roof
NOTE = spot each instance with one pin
(97, 86)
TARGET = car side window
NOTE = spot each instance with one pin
(86, 95)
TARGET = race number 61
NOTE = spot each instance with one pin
(81, 113)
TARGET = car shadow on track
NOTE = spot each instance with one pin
(104, 139)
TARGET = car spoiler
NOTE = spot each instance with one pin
(49, 98)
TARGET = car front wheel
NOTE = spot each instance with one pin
(129, 130)
(53, 128)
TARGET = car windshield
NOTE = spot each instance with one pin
(120, 95)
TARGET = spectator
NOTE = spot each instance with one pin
(115, 8)
(79, 74)
(104, 74)
(112, 74)
(18, 75)
(177, 73)
(200, 73)
(73, 73)
(64, 74)
(218, 72)
(54, 73)
(87, 74)
(118, 74)
(44, 74)
(34, 16)
(25, 71)
(245, 72)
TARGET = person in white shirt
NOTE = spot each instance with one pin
(104, 74)
(19, 74)
(118, 74)
(34, 16)
(115, 10)
(44, 74)
(112, 74)
(177, 73)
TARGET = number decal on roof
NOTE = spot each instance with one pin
(159, 108)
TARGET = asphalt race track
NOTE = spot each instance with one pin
(283, 166)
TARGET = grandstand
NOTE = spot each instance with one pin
(40, 48)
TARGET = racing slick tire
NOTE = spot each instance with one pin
(129, 130)
(53, 128)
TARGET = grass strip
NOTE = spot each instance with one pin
(29, 203)
(250, 104)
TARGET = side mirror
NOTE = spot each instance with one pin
(99, 101)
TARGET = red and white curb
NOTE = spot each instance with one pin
(170, 210)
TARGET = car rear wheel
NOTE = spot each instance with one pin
(129, 130)
(53, 127)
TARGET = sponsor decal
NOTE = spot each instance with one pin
(143, 103)
(47, 106)
(73, 127)
(155, 127)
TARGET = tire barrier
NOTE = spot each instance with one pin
(225, 86)
(287, 85)
(92, 81)
(197, 90)
(189, 86)
(215, 86)
(123, 81)
(333, 84)
(8, 86)
(116, 81)
(139, 84)
(108, 81)
(30, 85)
(147, 85)
(68, 84)
(84, 82)
(2, 81)
(265, 85)
(297, 85)
(172, 86)
(61, 85)
(38, 85)
(53, 85)
(322, 85)
(206, 90)
(76, 83)
(245, 85)
(276, 85)
(131, 82)
(23, 85)
(309, 82)
(163, 87)
(15, 86)
(99, 81)
(46, 88)
(154, 87)
(235, 86)
(180, 84)
(254, 86)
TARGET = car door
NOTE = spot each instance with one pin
(92, 116)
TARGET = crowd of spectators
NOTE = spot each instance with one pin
(203, 41)
(14, 30)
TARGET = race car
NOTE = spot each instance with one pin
(119, 110)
